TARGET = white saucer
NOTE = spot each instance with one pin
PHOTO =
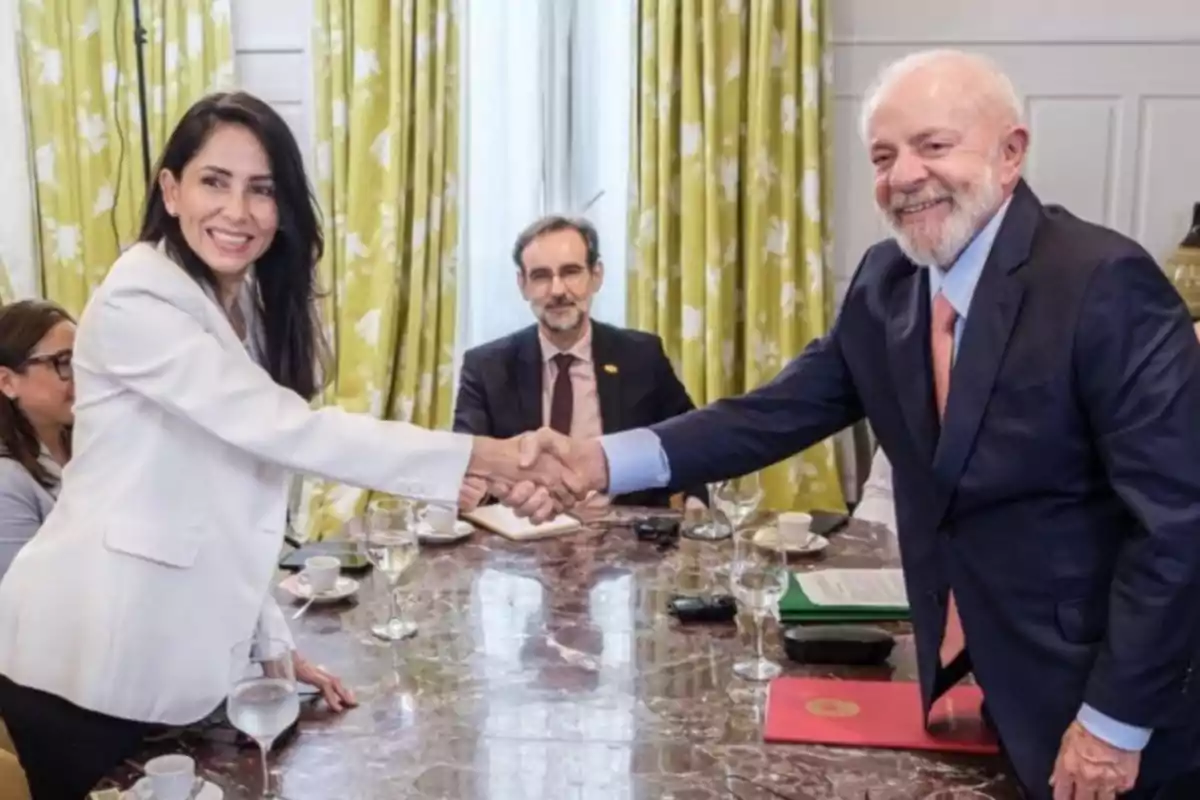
(462, 529)
(141, 791)
(769, 537)
(297, 588)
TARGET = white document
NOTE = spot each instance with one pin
(874, 588)
(501, 519)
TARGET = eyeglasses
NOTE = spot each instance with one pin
(60, 362)
(573, 276)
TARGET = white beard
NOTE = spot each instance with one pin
(572, 321)
(971, 212)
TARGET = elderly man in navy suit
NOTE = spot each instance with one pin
(1035, 382)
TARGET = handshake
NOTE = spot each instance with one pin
(538, 475)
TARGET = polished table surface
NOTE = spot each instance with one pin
(550, 671)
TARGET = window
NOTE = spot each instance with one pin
(545, 116)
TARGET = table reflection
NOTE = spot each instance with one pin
(551, 671)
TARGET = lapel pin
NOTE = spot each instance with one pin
(611, 369)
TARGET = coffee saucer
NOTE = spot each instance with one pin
(461, 530)
(141, 791)
(768, 537)
(344, 588)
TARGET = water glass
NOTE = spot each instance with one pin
(392, 546)
(713, 525)
(263, 701)
(738, 498)
(758, 578)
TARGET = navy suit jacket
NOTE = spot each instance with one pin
(1060, 497)
(500, 390)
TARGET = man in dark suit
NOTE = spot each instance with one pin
(568, 371)
(1035, 382)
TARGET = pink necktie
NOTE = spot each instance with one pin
(941, 342)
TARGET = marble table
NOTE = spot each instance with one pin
(550, 671)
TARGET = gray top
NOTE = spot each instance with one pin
(24, 504)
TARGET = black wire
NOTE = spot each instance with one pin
(112, 212)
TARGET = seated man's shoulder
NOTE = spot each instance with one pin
(496, 348)
(643, 347)
(636, 337)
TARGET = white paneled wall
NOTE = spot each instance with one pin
(272, 47)
(1111, 89)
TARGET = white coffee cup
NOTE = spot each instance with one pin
(794, 528)
(321, 573)
(171, 777)
(440, 519)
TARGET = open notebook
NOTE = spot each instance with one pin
(501, 519)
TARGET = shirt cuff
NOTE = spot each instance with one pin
(635, 461)
(1117, 734)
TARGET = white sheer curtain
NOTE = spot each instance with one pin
(17, 238)
(601, 88)
(545, 117)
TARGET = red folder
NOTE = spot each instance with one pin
(882, 714)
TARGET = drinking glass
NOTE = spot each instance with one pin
(738, 498)
(713, 525)
(758, 577)
(392, 546)
(262, 701)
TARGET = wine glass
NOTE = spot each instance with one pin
(262, 701)
(738, 498)
(392, 546)
(758, 578)
(713, 525)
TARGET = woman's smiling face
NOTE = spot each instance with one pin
(224, 199)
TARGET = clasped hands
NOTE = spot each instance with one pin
(538, 474)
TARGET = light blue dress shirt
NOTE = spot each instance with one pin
(637, 461)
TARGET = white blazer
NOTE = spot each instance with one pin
(159, 554)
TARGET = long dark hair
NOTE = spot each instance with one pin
(22, 325)
(285, 275)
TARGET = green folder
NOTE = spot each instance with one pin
(795, 607)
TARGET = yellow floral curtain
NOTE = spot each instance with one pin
(728, 224)
(81, 93)
(387, 178)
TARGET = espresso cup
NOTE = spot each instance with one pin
(321, 573)
(440, 519)
(171, 777)
(794, 528)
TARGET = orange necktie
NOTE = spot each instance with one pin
(941, 341)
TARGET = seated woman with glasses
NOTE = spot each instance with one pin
(38, 390)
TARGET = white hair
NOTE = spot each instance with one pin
(996, 91)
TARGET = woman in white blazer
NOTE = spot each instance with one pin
(194, 363)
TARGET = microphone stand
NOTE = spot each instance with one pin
(139, 42)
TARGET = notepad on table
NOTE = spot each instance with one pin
(500, 519)
(845, 595)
